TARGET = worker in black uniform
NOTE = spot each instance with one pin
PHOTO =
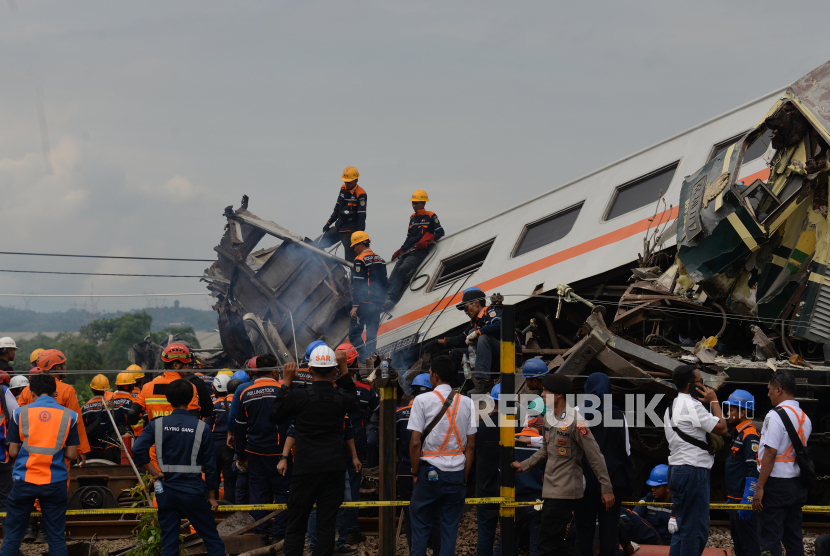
(648, 524)
(348, 216)
(319, 475)
(487, 477)
(742, 472)
(369, 285)
(184, 450)
(424, 230)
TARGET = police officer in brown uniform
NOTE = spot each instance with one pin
(566, 438)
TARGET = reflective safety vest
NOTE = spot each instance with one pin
(43, 431)
(197, 443)
(153, 396)
(789, 453)
(447, 448)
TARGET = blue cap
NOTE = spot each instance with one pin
(659, 476)
(534, 368)
(741, 399)
(496, 391)
(241, 375)
(311, 346)
(422, 380)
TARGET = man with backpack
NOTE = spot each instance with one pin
(781, 489)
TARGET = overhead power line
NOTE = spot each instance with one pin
(103, 274)
(107, 257)
(100, 295)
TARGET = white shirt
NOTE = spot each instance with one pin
(691, 417)
(774, 435)
(424, 409)
(11, 402)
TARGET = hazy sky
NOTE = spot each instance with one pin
(157, 115)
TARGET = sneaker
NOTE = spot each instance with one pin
(387, 306)
(41, 536)
(346, 550)
(31, 533)
(482, 387)
(355, 538)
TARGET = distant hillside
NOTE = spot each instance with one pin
(20, 320)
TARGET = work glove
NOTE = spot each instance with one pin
(749, 493)
(396, 254)
(423, 243)
(326, 227)
(672, 525)
(472, 337)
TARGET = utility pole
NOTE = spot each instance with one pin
(507, 426)
(388, 393)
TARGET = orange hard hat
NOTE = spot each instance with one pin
(4, 378)
(49, 358)
(351, 352)
(176, 352)
(35, 371)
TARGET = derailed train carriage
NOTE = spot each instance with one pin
(730, 269)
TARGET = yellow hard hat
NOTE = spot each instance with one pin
(350, 174)
(420, 196)
(100, 382)
(35, 354)
(359, 237)
(137, 371)
(225, 372)
(124, 379)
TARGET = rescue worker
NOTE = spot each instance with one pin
(218, 423)
(780, 492)
(304, 377)
(686, 423)
(182, 446)
(43, 436)
(8, 349)
(318, 412)
(420, 385)
(348, 216)
(33, 357)
(424, 229)
(140, 378)
(566, 439)
(258, 445)
(369, 287)
(152, 400)
(614, 445)
(487, 476)
(442, 456)
(369, 405)
(247, 376)
(528, 488)
(481, 337)
(100, 433)
(532, 371)
(17, 384)
(741, 472)
(122, 400)
(8, 403)
(4, 378)
(649, 524)
(53, 363)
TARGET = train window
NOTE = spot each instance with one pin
(547, 230)
(640, 192)
(758, 147)
(463, 264)
(721, 147)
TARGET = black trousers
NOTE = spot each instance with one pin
(780, 520)
(744, 534)
(224, 465)
(368, 315)
(556, 515)
(6, 483)
(590, 510)
(324, 489)
(405, 268)
(333, 236)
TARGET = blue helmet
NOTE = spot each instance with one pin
(241, 375)
(422, 380)
(496, 391)
(741, 399)
(311, 346)
(659, 476)
(534, 368)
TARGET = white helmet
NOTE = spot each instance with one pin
(220, 383)
(6, 343)
(322, 356)
(19, 381)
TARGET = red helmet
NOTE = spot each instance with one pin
(176, 352)
(35, 371)
(4, 378)
(251, 363)
(49, 358)
(351, 352)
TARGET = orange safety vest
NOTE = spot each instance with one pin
(68, 399)
(44, 431)
(789, 453)
(452, 431)
(154, 402)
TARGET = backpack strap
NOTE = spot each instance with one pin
(685, 437)
(798, 446)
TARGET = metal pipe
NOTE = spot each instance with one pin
(507, 427)
(127, 452)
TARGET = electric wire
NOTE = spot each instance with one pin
(102, 274)
(106, 257)
(100, 295)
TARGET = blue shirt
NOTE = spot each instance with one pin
(235, 401)
(254, 431)
(177, 442)
(22, 464)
